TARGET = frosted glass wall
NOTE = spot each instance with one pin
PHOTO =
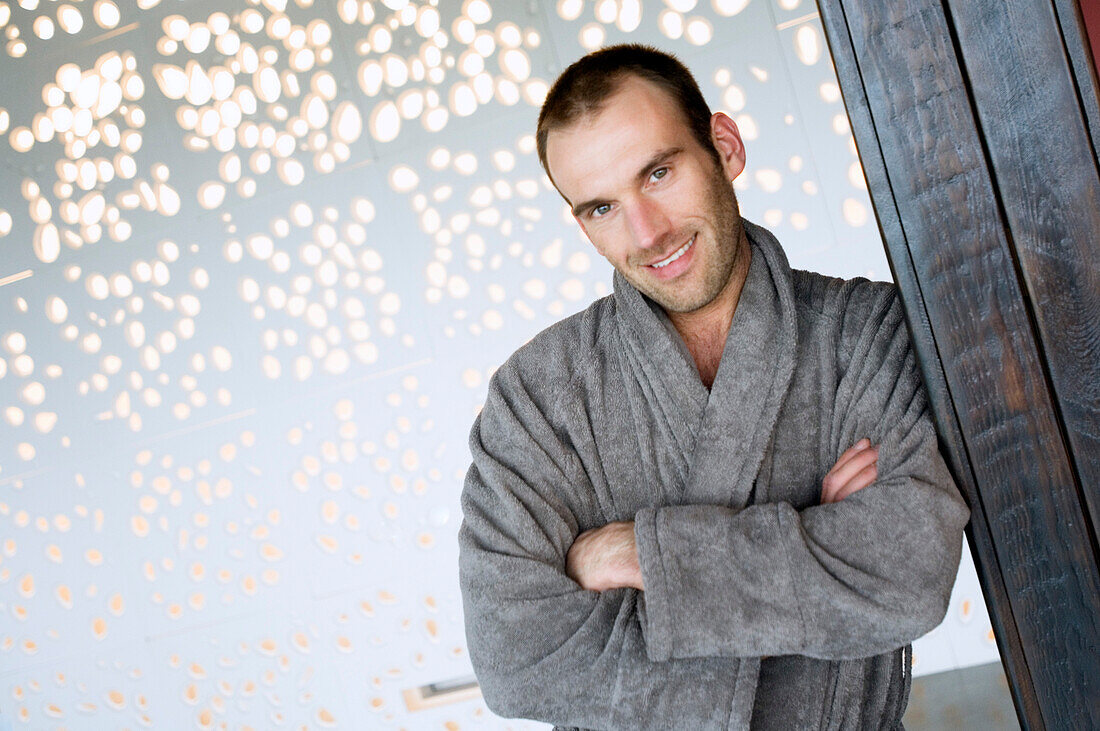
(257, 262)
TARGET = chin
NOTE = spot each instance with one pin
(674, 301)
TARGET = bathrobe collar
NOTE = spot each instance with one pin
(721, 435)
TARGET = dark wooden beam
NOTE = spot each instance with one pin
(1035, 130)
(1015, 417)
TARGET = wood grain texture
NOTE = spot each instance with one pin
(951, 229)
(952, 443)
(1037, 136)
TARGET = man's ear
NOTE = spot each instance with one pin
(727, 140)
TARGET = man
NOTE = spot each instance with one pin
(676, 517)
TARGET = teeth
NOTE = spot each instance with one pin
(676, 255)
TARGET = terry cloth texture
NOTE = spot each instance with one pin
(602, 417)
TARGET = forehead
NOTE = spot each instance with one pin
(634, 122)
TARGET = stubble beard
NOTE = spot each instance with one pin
(674, 296)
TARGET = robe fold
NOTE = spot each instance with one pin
(761, 607)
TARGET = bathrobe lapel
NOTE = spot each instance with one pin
(665, 399)
(751, 384)
(698, 447)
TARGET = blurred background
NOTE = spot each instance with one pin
(258, 260)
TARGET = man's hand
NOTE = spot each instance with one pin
(605, 558)
(856, 469)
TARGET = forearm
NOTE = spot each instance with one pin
(850, 579)
(840, 580)
(546, 650)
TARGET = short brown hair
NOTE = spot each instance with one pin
(588, 82)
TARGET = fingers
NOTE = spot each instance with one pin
(851, 462)
(851, 451)
(855, 469)
(862, 479)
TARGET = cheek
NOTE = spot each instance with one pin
(687, 202)
(608, 241)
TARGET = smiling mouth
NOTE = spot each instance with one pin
(674, 256)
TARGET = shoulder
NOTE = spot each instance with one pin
(852, 317)
(841, 299)
(567, 351)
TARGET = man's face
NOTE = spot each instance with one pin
(653, 202)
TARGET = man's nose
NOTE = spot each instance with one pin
(648, 223)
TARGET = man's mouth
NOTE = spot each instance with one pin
(674, 255)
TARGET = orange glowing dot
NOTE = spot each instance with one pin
(270, 552)
(116, 700)
(26, 586)
(99, 628)
(140, 526)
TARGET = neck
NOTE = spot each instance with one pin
(704, 331)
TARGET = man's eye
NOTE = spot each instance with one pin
(601, 210)
(659, 173)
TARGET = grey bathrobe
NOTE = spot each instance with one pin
(761, 606)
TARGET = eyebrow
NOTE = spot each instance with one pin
(658, 157)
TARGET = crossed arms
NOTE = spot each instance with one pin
(862, 573)
(607, 557)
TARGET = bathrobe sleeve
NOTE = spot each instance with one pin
(542, 647)
(843, 580)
